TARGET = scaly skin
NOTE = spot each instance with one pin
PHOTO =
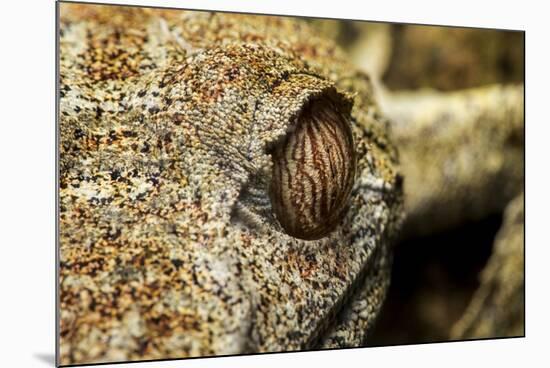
(168, 246)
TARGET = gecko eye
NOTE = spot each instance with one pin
(313, 172)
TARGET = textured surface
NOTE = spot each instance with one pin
(168, 245)
(314, 172)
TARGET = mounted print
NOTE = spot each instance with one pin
(238, 184)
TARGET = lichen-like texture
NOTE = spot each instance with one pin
(168, 244)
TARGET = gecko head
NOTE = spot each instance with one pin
(299, 198)
(247, 205)
(286, 197)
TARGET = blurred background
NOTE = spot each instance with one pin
(444, 58)
(464, 279)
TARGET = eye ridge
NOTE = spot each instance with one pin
(313, 171)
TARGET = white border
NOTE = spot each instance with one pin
(27, 181)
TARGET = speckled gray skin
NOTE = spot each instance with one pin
(168, 245)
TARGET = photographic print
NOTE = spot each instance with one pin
(232, 183)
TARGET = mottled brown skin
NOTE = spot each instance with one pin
(169, 247)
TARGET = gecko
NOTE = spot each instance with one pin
(195, 219)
